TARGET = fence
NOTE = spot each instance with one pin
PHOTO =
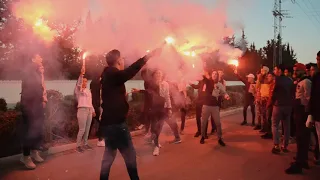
(10, 90)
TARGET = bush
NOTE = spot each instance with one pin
(9, 133)
(3, 105)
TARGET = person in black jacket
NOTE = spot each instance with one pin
(115, 109)
(33, 101)
(281, 101)
(199, 105)
(95, 88)
(249, 97)
(314, 113)
(145, 118)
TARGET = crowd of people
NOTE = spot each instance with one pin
(286, 96)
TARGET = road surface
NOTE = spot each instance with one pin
(246, 157)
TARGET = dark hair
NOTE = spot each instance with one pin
(282, 67)
(217, 80)
(318, 54)
(112, 57)
(308, 66)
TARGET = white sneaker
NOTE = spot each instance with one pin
(101, 143)
(36, 156)
(156, 151)
(27, 161)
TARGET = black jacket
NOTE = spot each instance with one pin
(114, 103)
(95, 87)
(201, 94)
(315, 97)
(283, 93)
(249, 97)
(31, 87)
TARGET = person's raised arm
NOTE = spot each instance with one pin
(78, 87)
(120, 77)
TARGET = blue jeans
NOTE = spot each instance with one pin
(281, 114)
(117, 137)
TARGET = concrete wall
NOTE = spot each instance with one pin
(10, 90)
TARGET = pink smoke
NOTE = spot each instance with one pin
(135, 26)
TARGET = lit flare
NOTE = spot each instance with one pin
(169, 40)
(234, 62)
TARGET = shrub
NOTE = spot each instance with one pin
(3, 105)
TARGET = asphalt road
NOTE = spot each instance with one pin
(246, 157)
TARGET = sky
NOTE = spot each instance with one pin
(302, 30)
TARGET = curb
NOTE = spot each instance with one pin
(66, 147)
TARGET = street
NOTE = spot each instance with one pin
(246, 157)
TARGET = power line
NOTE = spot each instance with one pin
(310, 19)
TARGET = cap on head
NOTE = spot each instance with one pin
(250, 76)
(300, 67)
(318, 54)
(112, 57)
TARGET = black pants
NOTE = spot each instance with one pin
(96, 123)
(198, 118)
(157, 120)
(32, 127)
(316, 150)
(253, 110)
(292, 126)
(145, 119)
(302, 133)
(183, 114)
(117, 137)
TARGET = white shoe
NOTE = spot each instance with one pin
(156, 151)
(36, 156)
(101, 143)
(27, 161)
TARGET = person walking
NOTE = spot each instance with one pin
(33, 102)
(115, 109)
(281, 101)
(85, 112)
(199, 104)
(213, 89)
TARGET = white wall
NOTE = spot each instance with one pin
(10, 90)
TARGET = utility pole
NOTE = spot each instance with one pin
(278, 15)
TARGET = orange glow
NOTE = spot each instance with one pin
(32, 14)
(234, 62)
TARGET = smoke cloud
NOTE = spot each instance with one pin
(136, 26)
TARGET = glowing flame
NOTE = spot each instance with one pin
(234, 62)
(84, 56)
(148, 51)
(169, 40)
(188, 53)
(32, 15)
(38, 22)
(192, 65)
